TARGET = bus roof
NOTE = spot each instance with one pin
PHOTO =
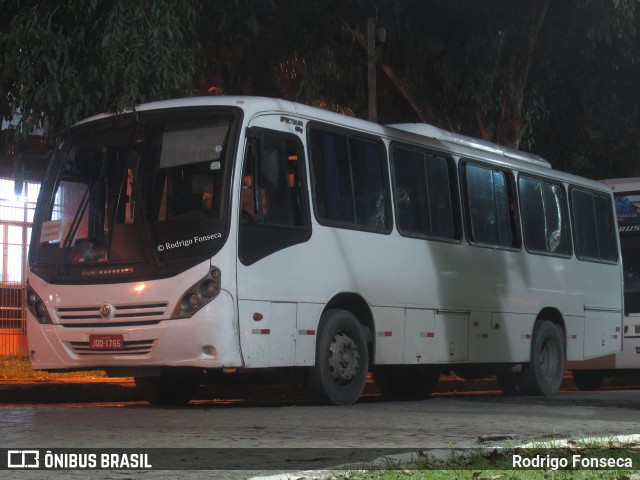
(456, 143)
(427, 130)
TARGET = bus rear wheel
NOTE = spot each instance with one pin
(171, 388)
(342, 359)
(543, 376)
(413, 382)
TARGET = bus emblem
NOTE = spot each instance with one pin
(107, 311)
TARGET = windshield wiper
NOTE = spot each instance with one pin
(141, 215)
(73, 228)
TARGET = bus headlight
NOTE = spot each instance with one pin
(191, 302)
(209, 289)
(199, 295)
(37, 307)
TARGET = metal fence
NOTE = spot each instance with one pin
(16, 216)
(13, 334)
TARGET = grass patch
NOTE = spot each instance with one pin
(16, 368)
(490, 475)
(585, 463)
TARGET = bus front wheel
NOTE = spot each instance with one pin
(543, 376)
(170, 388)
(342, 359)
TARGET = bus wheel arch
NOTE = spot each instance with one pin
(354, 303)
(553, 315)
(343, 346)
(543, 375)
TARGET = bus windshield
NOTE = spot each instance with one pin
(150, 190)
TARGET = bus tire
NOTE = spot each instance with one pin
(543, 375)
(169, 389)
(588, 379)
(411, 382)
(342, 359)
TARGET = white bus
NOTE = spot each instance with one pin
(197, 239)
(590, 375)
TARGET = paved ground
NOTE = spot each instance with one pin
(102, 389)
(249, 431)
(107, 413)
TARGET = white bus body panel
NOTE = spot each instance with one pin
(502, 292)
(432, 302)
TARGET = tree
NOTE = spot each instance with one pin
(556, 77)
(590, 81)
(73, 58)
(286, 48)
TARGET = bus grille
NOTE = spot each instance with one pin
(139, 347)
(125, 315)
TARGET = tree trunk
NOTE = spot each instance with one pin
(426, 115)
(524, 37)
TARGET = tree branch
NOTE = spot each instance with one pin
(482, 125)
(511, 125)
(391, 75)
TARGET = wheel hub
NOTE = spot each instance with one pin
(343, 358)
(548, 354)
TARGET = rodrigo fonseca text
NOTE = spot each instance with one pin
(575, 462)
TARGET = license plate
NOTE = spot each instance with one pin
(106, 342)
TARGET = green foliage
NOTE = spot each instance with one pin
(70, 59)
(589, 79)
(460, 65)
(285, 48)
(496, 464)
(456, 59)
(487, 474)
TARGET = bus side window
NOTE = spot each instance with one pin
(557, 232)
(490, 206)
(543, 216)
(422, 191)
(274, 212)
(594, 226)
(271, 192)
(350, 190)
(607, 232)
(368, 183)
